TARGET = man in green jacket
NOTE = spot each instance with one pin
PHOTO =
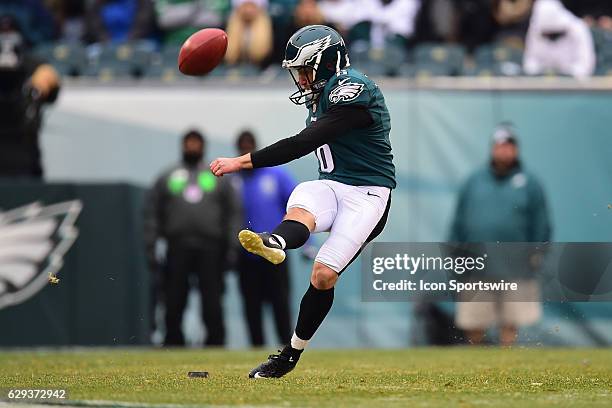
(501, 203)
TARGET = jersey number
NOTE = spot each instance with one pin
(326, 161)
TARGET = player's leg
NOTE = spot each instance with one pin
(508, 335)
(276, 283)
(475, 336)
(311, 207)
(211, 284)
(359, 218)
(176, 289)
(252, 285)
(315, 305)
(474, 318)
(519, 308)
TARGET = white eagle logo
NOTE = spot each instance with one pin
(308, 51)
(33, 241)
(345, 91)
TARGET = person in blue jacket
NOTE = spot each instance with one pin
(265, 192)
(501, 202)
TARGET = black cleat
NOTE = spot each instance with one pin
(277, 366)
(264, 245)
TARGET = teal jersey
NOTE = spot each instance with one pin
(362, 157)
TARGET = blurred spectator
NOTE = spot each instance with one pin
(26, 85)
(342, 14)
(198, 216)
(501, 203)
(118, 21)
(70, 19)
(392, 21)
(558, 41)
(181, 18)
(475, 22)
(306, 12)
(596, 13)
(265, 193)
(511, 11)
(437, 21)
(34, 19)
(249, 32)
(512, 18)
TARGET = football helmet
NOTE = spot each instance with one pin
(320, 48)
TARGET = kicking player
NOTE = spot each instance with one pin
(348, 128)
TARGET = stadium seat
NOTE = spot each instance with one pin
(378, 62)
(474, 69)
(428, 70)
(119, 61)
(406, 70)
(604, 69)
(68, 59)
(604, 54)
(163, 65)
(498, 60)
(238, 72)
(439, 59)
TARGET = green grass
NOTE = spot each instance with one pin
(462, 377)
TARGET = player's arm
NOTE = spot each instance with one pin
(336, 122)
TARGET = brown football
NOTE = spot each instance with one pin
(202, 52)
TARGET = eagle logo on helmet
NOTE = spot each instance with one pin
(345, 91)
(308, 52)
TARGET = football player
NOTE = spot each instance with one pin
(348, 128)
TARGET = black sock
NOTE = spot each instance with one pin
(314, 307)
(294, 233)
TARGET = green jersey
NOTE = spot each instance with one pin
(362, 157)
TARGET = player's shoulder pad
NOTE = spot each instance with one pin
(349, 87)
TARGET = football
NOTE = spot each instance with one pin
(202, 51)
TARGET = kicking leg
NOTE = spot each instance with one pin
(360, 219)
(312, 207)
(292, 233)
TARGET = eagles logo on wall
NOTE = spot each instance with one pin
(33, 241)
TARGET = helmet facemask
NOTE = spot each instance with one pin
(307, 95)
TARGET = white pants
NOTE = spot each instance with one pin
(349, 213)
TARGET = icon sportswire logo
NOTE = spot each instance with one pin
(33, 241)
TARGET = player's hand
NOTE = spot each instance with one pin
(225, 165)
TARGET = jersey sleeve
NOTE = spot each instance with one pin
(348, 90)
(337, 121)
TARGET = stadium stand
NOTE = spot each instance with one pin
(412, 59)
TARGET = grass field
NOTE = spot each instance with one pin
(425, 377)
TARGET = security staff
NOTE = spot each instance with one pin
(199, 216)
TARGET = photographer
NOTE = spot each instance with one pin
(26, 85)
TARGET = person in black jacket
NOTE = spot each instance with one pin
(26, 85)
(199, 217)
